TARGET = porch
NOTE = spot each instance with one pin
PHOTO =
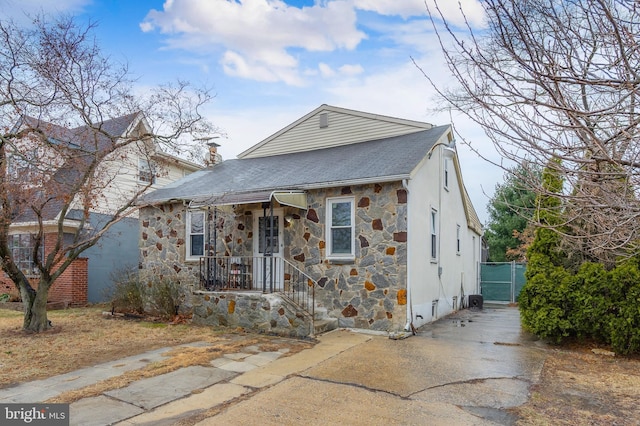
(265, 274)
(263, 293)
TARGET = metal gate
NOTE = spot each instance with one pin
(501, 281)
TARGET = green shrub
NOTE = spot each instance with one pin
(624, 314)
(594, 303)
(545, 302)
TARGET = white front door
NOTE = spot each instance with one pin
(268, 245)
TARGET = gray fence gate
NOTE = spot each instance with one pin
(501, 281)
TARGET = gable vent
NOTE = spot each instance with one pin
(324, 120)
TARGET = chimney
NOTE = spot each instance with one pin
(214, 157)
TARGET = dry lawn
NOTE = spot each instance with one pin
(578, 387)
(83, 337)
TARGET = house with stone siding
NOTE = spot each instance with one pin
(343, 218)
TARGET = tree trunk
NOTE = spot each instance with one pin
(35, 308)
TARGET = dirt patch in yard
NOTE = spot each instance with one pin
(84, 337)
(578, 387)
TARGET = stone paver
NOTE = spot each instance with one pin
(41, 390)
(170, 413)
(85, 413)
(155, 391)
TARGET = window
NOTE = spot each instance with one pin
(21, 246)
(264, 233)
(146, 171)
(22, 166)
(434, 234)
(446, 174)
(458, 245)
(340, 227)
(195, 234)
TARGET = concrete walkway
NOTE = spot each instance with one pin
(465, 370)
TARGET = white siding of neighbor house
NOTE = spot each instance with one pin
(126, 180)
(458, 270)
(344, 127)
(122, 173)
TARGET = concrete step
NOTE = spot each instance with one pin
(319, 313)
(324, 325)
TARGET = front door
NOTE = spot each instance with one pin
(268, 245)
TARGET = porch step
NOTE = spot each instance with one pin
(319, 313)
(324, 325)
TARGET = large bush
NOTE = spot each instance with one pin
(564, 300)
(593, 303)
(156, 296)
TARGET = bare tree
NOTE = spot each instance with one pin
(559, 79)
(69, 122)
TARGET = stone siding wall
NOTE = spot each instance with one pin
(369, 292)
(268, 313)
(163, 248)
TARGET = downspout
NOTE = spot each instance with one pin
(409, 326)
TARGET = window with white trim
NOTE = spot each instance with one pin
(146, 172)
(21, 246)
(195, 234)
(458, 243)
(434, 234)
(340, 227)
(446, 174)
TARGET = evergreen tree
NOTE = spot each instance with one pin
(510, 210)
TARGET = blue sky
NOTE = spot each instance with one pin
(270, 61)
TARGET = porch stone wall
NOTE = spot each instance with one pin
(163, 244)
(268, 313)
(163, 248)
(369, 292)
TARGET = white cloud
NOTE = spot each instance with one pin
(263, 30)
(326, 70)
(410, 8)
(351, 70)
(18, 9)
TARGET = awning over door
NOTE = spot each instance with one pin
(292, 198)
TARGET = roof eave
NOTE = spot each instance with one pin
(309, 186)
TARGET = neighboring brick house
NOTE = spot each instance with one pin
(371, 210)
(89, 277)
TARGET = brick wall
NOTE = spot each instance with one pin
(70, 288)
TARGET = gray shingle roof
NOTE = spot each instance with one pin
(378, 160)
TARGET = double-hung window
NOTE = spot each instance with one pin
(340, 228)
(21, 246)
(195, 234)
(146, 172)
(446, 174)
(434, 234)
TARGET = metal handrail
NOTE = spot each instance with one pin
(259, 273)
